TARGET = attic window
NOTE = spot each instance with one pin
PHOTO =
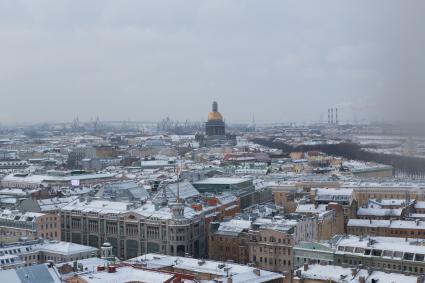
(349, 249)
(359, 250)
(398, 254)
(419, 257)
(376, 252)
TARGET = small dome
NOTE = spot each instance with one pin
(215, 117)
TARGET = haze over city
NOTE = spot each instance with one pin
(216, 141)
(281, 61)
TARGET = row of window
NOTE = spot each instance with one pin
(50, 236)
(367, 230)
(7, 261)
(272, 239)
(396, 267)
(272, 261)
(51, 218)
(46, 226)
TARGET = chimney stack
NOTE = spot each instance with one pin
(336, 116)
(329, 115)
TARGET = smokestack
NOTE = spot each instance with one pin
(332, 116)
(329, 116)
(336, 116)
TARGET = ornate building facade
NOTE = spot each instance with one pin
(171, 229)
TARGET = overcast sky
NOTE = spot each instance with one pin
(144, 60)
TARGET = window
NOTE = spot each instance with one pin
(419, 257)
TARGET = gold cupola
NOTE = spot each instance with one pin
(215, 116)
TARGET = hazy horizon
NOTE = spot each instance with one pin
(281, 61)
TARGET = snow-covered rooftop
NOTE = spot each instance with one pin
(221, 181)
(65, 248)
(380, 212)
(401, 224)
(234, 225)
(239, 273)
(127, 274)
(341, 274)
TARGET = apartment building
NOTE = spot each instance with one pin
(344, 197)
(382, 253)
(387, 228)
(15, 225)
(364, 191)
(330, 218)
(228, 241)
(40, 251)
(271, 241)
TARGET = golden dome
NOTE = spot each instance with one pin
(215, 117)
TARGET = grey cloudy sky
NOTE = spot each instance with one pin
(144, 60)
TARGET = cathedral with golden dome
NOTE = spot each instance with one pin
(215, 125)
(215, 130)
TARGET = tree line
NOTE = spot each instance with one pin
(413, 166)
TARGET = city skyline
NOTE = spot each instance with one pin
(212, 141)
